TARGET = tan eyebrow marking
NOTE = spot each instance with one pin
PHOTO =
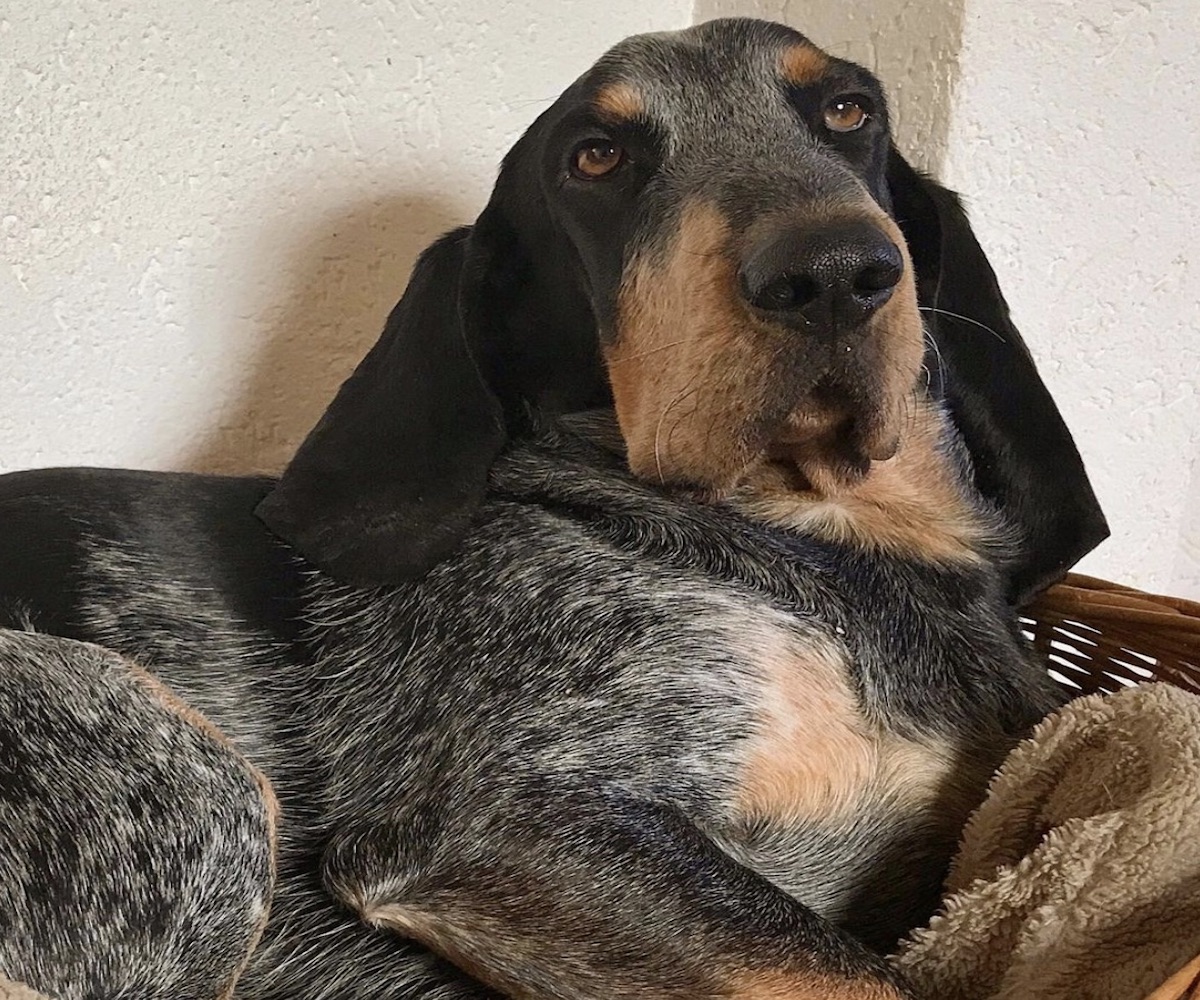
(803, 63)
(618, 101)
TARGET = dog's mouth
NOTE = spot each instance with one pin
(823, 438)
(830, 441)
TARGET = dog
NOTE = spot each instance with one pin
(639, 620)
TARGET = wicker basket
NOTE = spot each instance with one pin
(1100, 636)
(1184, 985)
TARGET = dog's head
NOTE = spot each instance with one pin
(711, 231)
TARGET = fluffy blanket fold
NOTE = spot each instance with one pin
(1079, 876)
(15, 991)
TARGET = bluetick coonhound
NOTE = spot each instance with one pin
(638, 620)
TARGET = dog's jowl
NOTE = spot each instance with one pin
(638, 621)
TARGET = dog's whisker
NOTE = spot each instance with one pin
(937, 352)
(688, 388)
(643, 354)
(909, 415)
(680, 418)
(515, 105)
(965, 319)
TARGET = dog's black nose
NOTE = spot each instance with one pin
(825, 280)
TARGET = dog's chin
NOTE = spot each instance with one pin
(827, 461)
(828, 444)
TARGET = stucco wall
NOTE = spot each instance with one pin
(1075, 130)
(207, 210)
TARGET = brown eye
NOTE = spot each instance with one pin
(596, 159)
(844, 114)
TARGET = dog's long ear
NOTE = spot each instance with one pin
(386, 483)
(493, 334)
(1025, 460)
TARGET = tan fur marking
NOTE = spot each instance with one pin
(802, 64)
(198, 720)
(910, 504)
(780, 984)
(688, 358)
(815, 756)
(619, 102)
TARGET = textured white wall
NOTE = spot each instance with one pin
(207, 210)
(1075, 131)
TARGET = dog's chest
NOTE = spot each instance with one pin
(823, 799)
(746, 711)
(812, 754)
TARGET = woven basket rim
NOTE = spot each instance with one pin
(1097, 635)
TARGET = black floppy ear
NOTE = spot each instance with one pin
(386, 483)
(1025, 460)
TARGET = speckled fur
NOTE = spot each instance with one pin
(411, 735)
(138, 846)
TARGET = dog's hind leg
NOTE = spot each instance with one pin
(136, 846)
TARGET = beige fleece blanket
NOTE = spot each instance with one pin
(15, 991)
(1079, 876)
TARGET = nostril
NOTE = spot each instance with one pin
(878, 276)
(778, 294)
(786, 292)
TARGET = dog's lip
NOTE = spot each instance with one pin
(882, 446)
(825, 465)
(830, 447)
(832, 414)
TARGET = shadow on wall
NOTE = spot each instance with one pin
(341, 281)
(913, 46)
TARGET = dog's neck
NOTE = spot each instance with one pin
(919, 504)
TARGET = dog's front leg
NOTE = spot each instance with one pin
(544, 892)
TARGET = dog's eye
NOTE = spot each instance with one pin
(845, 114)
(596, 158)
